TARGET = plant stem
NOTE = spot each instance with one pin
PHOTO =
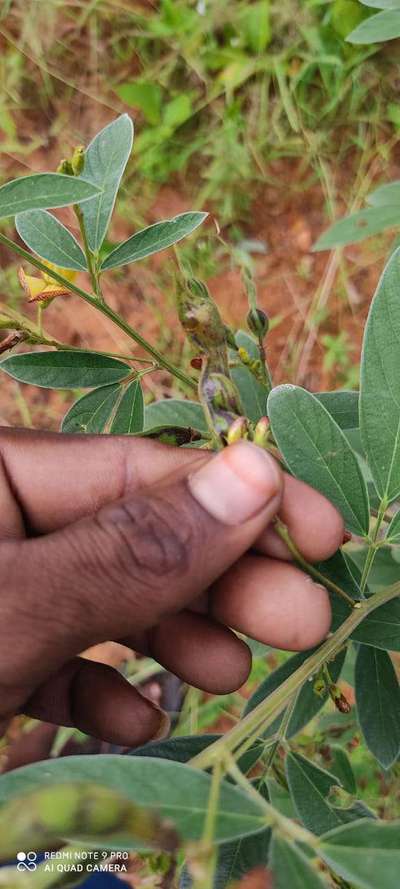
(88, 253)
(283, 532)
(374, 545)
(286, 826)
(105, 310)
(266, 712)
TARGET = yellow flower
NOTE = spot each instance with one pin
(45, 288)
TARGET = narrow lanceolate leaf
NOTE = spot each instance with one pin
(383, 26)
(358, 226)
(239, 857)
(91, 413)
(312, 792)
(64, 369)
(176, 413)
(317, 451)
(385, 195)
(307, 705)
(128, 417)
(43, 190)
(105, 161)
(47, 237)
(153, 239)
(393, 531)
(366, 854)
(378, 704)
(291, 868)
(174, 791)
(381, 629)
(380, 384)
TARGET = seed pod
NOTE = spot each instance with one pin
(199, 316)
(12, 340)
(258, 322)
(78, 160)
(238, 430)
(262, 432)
(196, 362)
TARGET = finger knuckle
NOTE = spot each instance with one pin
(150, 539)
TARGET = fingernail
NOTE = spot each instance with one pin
(237, 484)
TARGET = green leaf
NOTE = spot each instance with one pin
(47, 237)
(380, 384)
(129, 416)
(255, 27)
(317, 452)
(386, 195)
(177, 111)
(358, 226)
(382, 4)
(393, 531)
(175, 791)
(143, 95)
(64, 369)
(244, 339)
(308, 704)
(153, 239)
(174, 412)
(43, 190)
(381, 629)
(105, 161)
(179, 749)
(383, 26)
(378, 704)
(291, 868)
(239, 857)
(253, 394)
(366, 853)
(310, 788)
(341, 767)
(342, 406)
(92, 412)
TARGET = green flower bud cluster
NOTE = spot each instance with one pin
(73, 166)
(242, 429)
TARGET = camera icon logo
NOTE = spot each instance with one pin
(26, 861)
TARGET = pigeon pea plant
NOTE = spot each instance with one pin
(186, 803)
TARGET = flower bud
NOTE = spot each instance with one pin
(258, 322)
(65, 167)
(319, 687)
(262, 432)
(238, 430)
(244, 355)
(78, 160)
(340, 701)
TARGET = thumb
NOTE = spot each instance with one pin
(135, 562)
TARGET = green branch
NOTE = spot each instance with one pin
(249, 728)
(105, 310)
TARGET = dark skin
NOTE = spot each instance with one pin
(108, 538)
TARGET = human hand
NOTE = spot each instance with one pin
(107, 538)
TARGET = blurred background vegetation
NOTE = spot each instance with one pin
(259, 112)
